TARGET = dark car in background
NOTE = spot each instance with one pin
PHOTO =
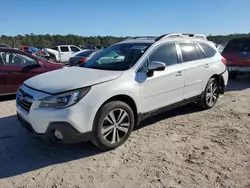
(17, 66)
(237, 53)
(82, 57)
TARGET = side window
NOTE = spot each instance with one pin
(64, 49)
(166, 53)
(189, 52)
(209, 51)
(15, 59)
(74, 49)
(55, 48)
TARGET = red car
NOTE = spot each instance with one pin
(16, 66)
(237, 53)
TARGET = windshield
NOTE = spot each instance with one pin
(117, 57)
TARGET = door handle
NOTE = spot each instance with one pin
(206, 66)
(179, 73)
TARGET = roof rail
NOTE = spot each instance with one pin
(181, 35)
(142, 38)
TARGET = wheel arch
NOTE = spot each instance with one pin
(128, 100)
(220, 81)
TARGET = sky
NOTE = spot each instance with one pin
(124, 18)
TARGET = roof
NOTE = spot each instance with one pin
(138, 41)
(169, 36)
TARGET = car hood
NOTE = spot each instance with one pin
(70, 78)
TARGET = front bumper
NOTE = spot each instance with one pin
(238, 69)
(70, 134)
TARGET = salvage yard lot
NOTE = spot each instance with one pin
(182, 148)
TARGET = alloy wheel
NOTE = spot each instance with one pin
(115, 126)
(212, 94)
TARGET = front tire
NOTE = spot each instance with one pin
(211, 94)
(113, 125)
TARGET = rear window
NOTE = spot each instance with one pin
(209, 51)
(238, 45)
(85, 54)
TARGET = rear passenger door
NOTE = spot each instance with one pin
(194, 69)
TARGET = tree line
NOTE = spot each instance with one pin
(42, 41)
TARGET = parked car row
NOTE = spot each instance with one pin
(63, 53)
(105, 97)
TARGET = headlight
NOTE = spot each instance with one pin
(64, 100)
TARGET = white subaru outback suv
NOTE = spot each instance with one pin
(103, 99)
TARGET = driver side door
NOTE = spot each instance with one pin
(166, 87)
(17, 68)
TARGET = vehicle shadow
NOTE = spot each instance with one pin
(187, 109)
(7, 97)
(22, 153)
(242, 82)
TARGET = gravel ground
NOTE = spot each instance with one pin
(181, 148)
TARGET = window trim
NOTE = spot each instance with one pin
(202, 50)
(146, 60)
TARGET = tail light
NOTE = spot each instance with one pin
(224, 61)
(83, 59)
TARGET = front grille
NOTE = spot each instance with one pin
(24, 100)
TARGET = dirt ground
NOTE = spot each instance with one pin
(181, 148)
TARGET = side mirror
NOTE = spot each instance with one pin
(155, 66)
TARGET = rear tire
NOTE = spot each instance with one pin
(113, 125)
(210, 95)
(52, 58)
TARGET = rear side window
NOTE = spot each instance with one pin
(64, 49)
(189, 52)
(74, 49)
(209, 51)
(238, 45)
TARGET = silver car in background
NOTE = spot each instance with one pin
(82, 57)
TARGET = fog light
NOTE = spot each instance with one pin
(58, 134)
